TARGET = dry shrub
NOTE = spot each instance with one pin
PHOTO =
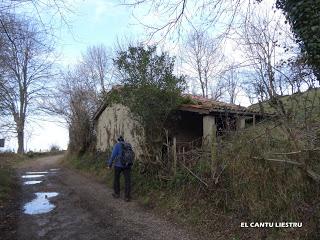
(262, 190)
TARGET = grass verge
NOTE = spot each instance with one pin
(9, 195)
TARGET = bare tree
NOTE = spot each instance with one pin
(300, 74)
(78, 94)
(202, 57)
(260, 42)
(232, 83)
(266, 48)
(52, 8)
(98, 61)
(275, 65)
(25, 68)
(76, 99)
(217, 89)
(177, 14)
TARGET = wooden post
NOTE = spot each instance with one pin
(208, 125)
(168, 146)
(174, 149)
(184, 161)
(254, 120)
(213, 150)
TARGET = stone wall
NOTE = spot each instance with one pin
(117, 120)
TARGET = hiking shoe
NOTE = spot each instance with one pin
(127, 199)
(115, 195)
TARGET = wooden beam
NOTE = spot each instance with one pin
(174, 149)
(214, 160)
(310, 173)
(193, 174)
(279, 160)
(313, 175)
(297, 152)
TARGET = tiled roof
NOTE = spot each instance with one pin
(206, 106)
(202, 105)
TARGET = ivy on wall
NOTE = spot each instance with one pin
(304, 17)
(148, 87)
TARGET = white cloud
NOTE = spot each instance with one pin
(102, 9)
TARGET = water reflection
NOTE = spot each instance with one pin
(28, 173)
(31, 182)
(32, 176)
(54, 169)
(41, 204)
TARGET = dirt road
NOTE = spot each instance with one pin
(82, 209)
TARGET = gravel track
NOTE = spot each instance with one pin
(86, 210)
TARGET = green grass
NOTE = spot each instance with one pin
(300, 105)
(7, 174)
(6, 183)
(32, 154)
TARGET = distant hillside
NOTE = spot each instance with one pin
(299, 104)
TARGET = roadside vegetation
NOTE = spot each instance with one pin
(9, 195)
(7, 182)
(36, 154)
(248, 190)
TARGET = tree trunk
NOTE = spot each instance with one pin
(20, 141)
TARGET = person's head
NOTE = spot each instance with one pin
(120, 139)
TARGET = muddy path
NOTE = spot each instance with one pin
(74, 207)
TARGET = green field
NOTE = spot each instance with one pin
(300, 106)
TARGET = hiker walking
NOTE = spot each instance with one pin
(122, 156)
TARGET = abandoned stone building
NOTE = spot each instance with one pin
(194, 122)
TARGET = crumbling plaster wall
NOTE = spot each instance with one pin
(117, 120)
(209, 129)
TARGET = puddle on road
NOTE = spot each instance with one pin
(32, 176)
(54, 169)
(41, 204)
(28, 173)
(31, 182)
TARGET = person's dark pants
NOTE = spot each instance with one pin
(127, 179)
